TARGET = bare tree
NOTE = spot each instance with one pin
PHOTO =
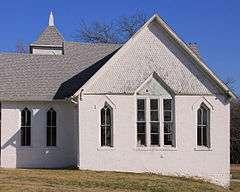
(21, 47)
(129, 25)
(235, 132)
(96, 32)
(117, 31)
(230, 82)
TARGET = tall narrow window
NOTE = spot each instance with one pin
(154, 122)
(141, 122)
(203, 132)
(25, 127)
(168, 122)
(106, 126)
(51, 128)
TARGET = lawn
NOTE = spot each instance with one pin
(88, 181)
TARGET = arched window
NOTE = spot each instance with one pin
(203, 126)
(51, 127)
(25, 127)
(106, 126)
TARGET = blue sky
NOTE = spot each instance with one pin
(214, 25)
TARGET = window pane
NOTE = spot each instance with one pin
(103, 117)
(141, 104)
(23, 118)
(28, 135)
(141, 139)
(103, 136)
(199, 136)
(205, 117)
(167, 127)
(108, 113)
(154, 116)
(167, 104)
(154, 127)
(48, 136)
(199, 113)
(167, 116)
(168, 139)
(108, 136)
(49, 117)
(154, 139)
(153, 104)
(54, 118)
(28, 120)
(141, 115)
(205, 136)
(54, 136)
(23, 136)
(141, 127)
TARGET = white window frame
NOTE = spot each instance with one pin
(161, 122)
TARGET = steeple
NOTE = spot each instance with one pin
(51, 20)
(50, 40)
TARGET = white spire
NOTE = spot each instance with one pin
(51, 20)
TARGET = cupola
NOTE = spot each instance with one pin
(50, 41)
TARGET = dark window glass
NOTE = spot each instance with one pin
(25, 127)
(106, 126)
(141, 134)
(203, 126)
(154, 122)
(51, 127)
(168, 124)
(141, 104)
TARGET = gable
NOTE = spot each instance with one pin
(152, 49)
(154, 88)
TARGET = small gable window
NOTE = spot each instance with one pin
(106, 126)
(203, 126)
(51, 127)
(25, 127)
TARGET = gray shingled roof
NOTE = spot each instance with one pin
(50, 36)
(48, 77)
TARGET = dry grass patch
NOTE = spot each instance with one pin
(88, 181)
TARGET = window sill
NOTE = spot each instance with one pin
(106, 149)
(202, 149)
(155, 149)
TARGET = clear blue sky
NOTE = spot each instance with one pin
(213, 24)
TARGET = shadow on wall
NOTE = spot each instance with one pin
(37, 155)
(189, 65)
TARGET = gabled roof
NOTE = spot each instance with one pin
(50, 36)
(182, 70)
(47, 77)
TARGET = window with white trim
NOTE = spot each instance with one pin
(203, 126)
(150, 113)
(51, 127)
(25, 127)
(141, 122)
(168, 121)
(106, 126)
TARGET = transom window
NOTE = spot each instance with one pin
(25, 127)
(51, 127)
(106, 126)
(150, 131)
(203, 129)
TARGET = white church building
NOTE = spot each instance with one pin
(149, 105)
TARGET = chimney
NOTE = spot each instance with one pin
(195, 49)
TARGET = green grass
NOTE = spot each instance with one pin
(37, 180)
